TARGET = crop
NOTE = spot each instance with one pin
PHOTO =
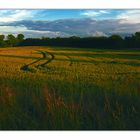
(55, 88)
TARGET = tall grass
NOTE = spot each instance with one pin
(81, 96)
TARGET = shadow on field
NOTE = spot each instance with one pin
(27, 105)
(103, 55)
(72, 60)
(19, 56)
(99, 62)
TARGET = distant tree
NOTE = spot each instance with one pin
(116, 41)
(136, 40)
(112, 42)
(43, 38)
(74, 37)
(11, 40)
(2, 37)
(137, 34)
(2, 40)
(20, 38)
(129, 41)
(115, 37)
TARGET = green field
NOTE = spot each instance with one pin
(55, 88)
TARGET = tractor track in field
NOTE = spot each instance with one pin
(68, 58)
(71, 61)
(43, 58)
(113, 62)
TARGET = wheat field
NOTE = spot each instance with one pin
(56, 88)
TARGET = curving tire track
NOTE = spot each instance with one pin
(44, 57)
(69, 58)
(71, 62)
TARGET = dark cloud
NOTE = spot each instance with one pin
(80, 27)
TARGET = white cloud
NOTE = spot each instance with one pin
(104, 11)
(12, 29)
(129, 16)
(80, 27)
(92, 13)
(14, 15)
(29, 33)
(98, 34)
(17, 29)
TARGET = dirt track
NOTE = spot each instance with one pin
(43, 58)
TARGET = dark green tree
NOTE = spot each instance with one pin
(20, 37)
(137, 34)
(116, 41)
(2, 40)
(11, 40)
(136, 39)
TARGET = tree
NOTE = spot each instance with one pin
(137, 34)
(115, 37)
(20, 37)
(136, 39)
(2, 37)
(2, 40)
(11, 40)
(116, 41)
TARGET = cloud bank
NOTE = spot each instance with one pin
(70, 27)
(34, 23)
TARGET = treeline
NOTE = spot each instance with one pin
(11, 40)
(111, 42)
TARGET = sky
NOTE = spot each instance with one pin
(65, 23)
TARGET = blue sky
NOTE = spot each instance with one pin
(53, 23)
(14, 15)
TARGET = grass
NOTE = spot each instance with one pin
(74, 91)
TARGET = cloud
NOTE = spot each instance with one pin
(129, 16)
(104, 11)
(70, 27)
(33, 23)
(93, 13)
(98, 34)
(29, 33)
(15, 15)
